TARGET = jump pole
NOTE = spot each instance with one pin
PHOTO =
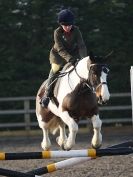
(12, 173)
(73, 161)
(56, 166)
(66, 154)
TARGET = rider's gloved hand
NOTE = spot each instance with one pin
(72, 61)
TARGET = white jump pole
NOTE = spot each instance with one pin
(131, 81)
(68, 163)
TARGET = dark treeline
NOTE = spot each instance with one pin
(26, 37)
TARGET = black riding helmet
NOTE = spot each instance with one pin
(65, 17)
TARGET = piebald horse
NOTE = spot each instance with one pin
(80, 90)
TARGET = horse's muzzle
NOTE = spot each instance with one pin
(101, 101)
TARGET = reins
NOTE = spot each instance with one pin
(61, 74)
(90, 86)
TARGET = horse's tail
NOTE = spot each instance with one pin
(54, 124)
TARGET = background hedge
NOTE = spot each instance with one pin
(26, 37)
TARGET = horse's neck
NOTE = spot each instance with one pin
(71, 80)
(82, 68)
(80, 72)
(82, 88)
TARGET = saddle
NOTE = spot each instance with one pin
(55, 84)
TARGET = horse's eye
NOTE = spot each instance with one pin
(105, 70)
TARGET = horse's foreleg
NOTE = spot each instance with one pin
(73, 129)
(97, 137)
(46, 141)
(62, 138)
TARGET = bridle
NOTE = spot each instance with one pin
(88, 82)
(102, 83)
(104, 69)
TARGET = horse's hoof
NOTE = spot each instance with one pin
(46, 148)
(96, 146)
(61, 142)
(63, 148)
(66, 148)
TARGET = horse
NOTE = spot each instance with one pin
(80, 90)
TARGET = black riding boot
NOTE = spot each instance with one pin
(46, 98)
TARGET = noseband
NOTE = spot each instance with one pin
(102, 83)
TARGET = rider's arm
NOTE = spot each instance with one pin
(81, 45)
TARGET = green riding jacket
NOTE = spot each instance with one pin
(67, 46)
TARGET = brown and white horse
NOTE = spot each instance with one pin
(79, 92)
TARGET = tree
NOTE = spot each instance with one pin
(26, 28)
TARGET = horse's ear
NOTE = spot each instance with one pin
(106, 57)
(95, 59)
(92, 57)
(99, 59)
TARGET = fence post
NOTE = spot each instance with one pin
(131, 81)
(27, 115)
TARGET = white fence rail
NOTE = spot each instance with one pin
(27, 111)
(131, 83)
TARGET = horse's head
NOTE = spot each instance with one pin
(97, 77)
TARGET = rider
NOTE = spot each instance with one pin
(68, 47)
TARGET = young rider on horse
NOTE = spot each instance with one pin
(68, 47)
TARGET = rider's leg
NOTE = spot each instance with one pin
(46, 98)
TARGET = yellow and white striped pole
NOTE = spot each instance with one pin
(73, 161)
(48, 154)
(67, 163)
(66, 154)
(122, 148)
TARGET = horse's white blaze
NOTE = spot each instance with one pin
(104, 90)
(97, 137)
